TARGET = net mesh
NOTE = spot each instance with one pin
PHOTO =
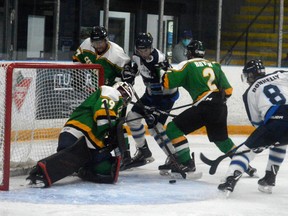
(43, 97)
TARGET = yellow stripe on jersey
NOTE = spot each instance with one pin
(88, 131)
(102, 112)
(166, 81)
(228, 91)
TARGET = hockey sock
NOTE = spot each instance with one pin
(162, 139)
(225, 146)
(179, 142)
(276, 156)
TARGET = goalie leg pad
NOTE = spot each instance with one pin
(64, 162)
(87, 173)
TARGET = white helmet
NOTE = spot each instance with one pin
(125, 90)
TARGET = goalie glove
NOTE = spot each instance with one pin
(129, 73)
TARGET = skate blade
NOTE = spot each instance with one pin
(194, 175)
(265, 189)
(189, 175)
(149, 160)
(164, 172)
(174, 175)
(227, 193)
(36, 184)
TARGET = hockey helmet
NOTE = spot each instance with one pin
(253, 70)
(98, 33)
(144, 40)
(125, 90)
(195, 49)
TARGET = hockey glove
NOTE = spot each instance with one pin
(128, 74)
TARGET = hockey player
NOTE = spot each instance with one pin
(266, 103)
(209, 89)
(147, 62)
(87, 139)
(97, 49)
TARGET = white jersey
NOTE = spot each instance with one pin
(265, 95)
(114, 54)
(149, 74)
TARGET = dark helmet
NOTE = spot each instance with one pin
(195, 49)
(98, 33)
(253, 70)
(144, 40)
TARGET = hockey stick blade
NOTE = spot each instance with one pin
(212, 163)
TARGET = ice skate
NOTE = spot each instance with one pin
(173, 169)
(252, 172)
(142, 156)
(230, 183)
(125, 160)
(36, 178)
(267, 183)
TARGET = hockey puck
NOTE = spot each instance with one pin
(173, 181)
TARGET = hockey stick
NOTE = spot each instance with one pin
(118, 150)
(214, 163)
(173, 159)
(153, 110)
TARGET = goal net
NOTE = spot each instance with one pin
(35, 101)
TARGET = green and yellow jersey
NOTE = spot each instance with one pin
(91, 117)
(113, 60)
(199, 77)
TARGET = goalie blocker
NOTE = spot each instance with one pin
(66, 162)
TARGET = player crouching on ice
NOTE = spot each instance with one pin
(87, 139)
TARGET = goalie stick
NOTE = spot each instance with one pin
(120, 140)
(173, 159)
(214, 163)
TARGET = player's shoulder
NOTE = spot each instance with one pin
(110, 92)
(86, 44)
(157, 53)
(115, 47)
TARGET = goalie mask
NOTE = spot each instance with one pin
(252, 71)
(195, 49)
(125, 90)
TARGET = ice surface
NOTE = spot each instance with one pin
(142, 191)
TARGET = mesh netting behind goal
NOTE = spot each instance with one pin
(35, 101)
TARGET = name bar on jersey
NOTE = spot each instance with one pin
(263, 81)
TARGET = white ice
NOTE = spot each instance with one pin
(142, 191)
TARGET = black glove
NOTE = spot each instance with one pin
(128, 74)
(110, 140)
(162, 65)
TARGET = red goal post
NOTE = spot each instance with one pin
(35, 101)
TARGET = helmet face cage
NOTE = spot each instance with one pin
(253, 70)
(195, 49)
(98, 33)
(125, 90)
(144, 40)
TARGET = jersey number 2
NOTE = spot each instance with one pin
(208, 72)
